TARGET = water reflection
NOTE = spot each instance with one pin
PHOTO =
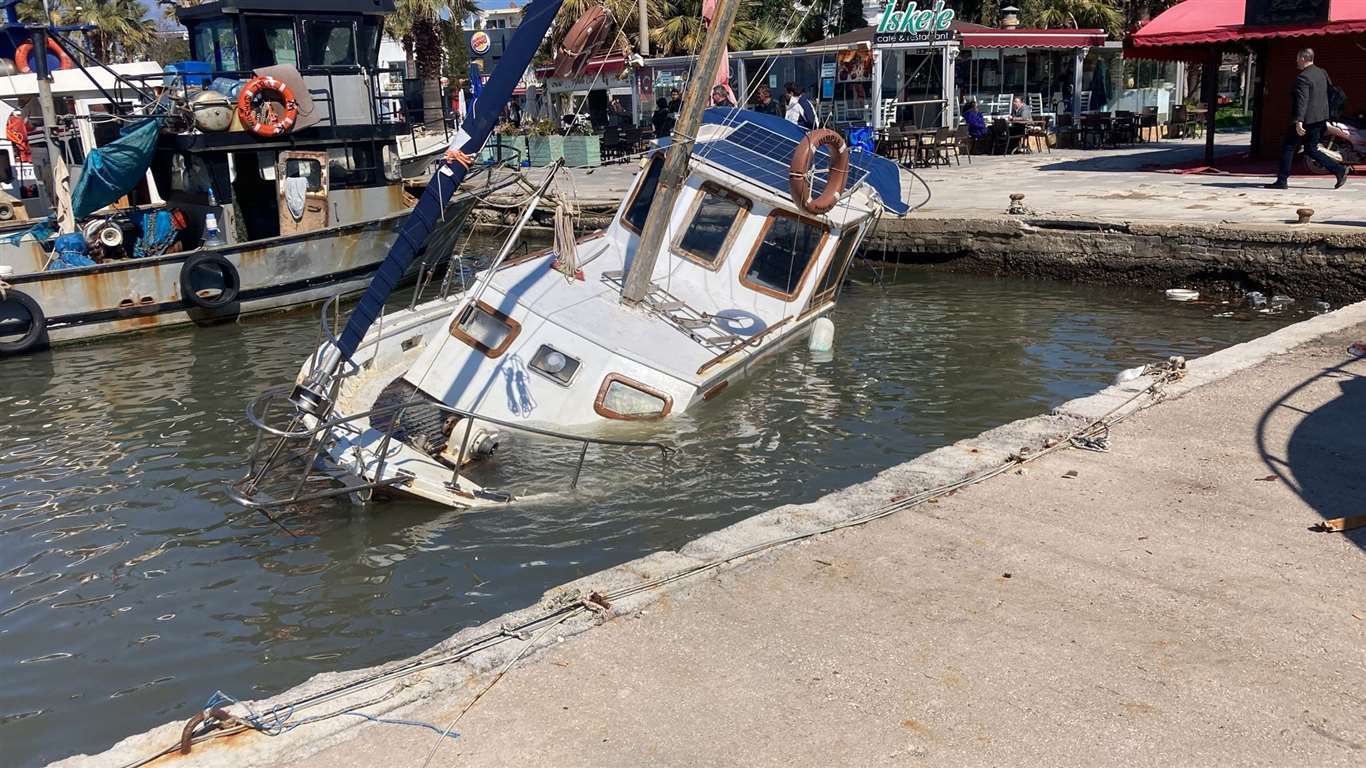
(125, 574)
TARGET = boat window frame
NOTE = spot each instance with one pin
(514, 328)
(773, 215)
(658, 157)
(618, 378)
(246, 45)
(842, 264)
(306, 51)
(746, 206)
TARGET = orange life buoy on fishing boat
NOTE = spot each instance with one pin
(804, 159)
(274, 125)
(580, 41)
(25, 48)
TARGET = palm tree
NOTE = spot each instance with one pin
(1073, 13)
(121, 27)
(679, 28)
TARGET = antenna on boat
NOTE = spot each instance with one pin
(61, 175)
(637, 283)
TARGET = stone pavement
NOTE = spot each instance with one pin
(1163, 604)
(1094, 185)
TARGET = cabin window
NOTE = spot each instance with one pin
(330, 43)
(554, 365)
(485, 328)
(716, 216)
(623, 398)
(639, 208)
(367, 41)
(271, 41)
(351, 166)
(215, 43)
(308, 168)
(830, 282)
(785, 252)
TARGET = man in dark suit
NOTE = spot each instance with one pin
(1310, 117)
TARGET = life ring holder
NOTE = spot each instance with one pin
(37, 328)
(232, 282)
(246, 107)
(25, 49)
(803, 161)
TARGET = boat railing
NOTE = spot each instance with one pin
(312, 436)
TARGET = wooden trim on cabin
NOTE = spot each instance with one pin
(853, 237)
(514, 328)
(716, 390)
(752, 341)
(607, 413)
(759, 242)
(712, 188)
(657, 158)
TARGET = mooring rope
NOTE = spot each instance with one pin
(210, 723)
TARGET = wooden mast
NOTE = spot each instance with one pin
(675, 170)
(60, 185)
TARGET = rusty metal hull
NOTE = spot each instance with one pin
(276, 273)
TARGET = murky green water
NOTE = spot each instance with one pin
(130, 589)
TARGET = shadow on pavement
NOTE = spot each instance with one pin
(1324, 459)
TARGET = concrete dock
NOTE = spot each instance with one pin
(1162, 603)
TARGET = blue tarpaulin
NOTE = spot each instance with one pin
(113, 170)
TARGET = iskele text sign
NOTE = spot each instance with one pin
(913, 24)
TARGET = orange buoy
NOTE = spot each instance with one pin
(804, 159)
(25, 48)
(273, 124)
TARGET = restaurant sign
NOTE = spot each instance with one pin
(913, 24)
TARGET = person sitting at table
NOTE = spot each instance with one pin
(977, 122)
(720, 97)
(1020, 111)
(764, 102)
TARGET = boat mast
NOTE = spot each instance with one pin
(60, 187)
(695, 101)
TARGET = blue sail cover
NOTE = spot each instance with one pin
(760, 149)
(112, 171)
(536, 19)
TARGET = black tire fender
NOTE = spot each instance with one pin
(232, 282)
(37, 329)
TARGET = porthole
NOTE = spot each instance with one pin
(554, 365)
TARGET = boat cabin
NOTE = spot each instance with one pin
(323, 153)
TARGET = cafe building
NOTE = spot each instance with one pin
(1205, 31)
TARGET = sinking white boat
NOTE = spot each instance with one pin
(608, 329)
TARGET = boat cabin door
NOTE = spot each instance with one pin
(301, 185)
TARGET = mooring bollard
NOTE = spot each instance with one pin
(1017, 204)
(1305, 215)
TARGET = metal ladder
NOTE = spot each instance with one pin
(696, 325)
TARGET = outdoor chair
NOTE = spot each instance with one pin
(1178, 126)
(1095, 127)
(1147, 125)
(1000, 137)
(1066, 130)
(888, 111)
(1001, 106)
(1038, 132)
(963, 143)
(1124, 129)
(945, 146)
(611, 142)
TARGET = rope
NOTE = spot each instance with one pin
(281, 715)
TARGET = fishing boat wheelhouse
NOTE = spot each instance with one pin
(279, 173)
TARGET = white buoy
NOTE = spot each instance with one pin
(1182, 294)
(822, 335)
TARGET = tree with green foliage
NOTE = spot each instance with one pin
(120, 29)
(1048, 14)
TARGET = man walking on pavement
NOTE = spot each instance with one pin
(1311, 112)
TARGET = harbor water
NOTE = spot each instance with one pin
(131, 589)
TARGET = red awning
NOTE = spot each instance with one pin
(1212, 22)
(986, 37)
(606, 65)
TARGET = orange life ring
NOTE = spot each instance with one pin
(25, 48)
(275, 125)
(580, 41)
(804, 159)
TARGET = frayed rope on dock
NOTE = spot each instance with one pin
(215, 721)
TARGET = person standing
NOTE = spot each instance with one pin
(675, 102)
(764, 102)
(1308, 120)
(663, 119)
(799, 109)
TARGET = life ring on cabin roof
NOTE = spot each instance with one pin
(804, 160)
(25, 50)
(275, 125)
